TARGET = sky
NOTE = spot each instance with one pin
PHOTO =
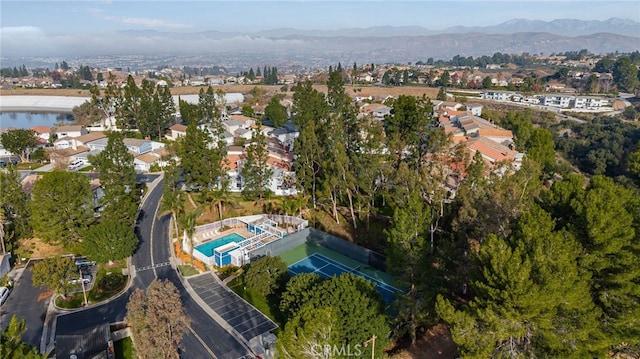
(31, 27)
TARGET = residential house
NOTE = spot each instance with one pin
(177, 130)
(98, 145)
(143, 162)
(234, 111)
(475, 108)
(499, 135)
(376, 110)
(590, 102)
(235, 155)
(227, 138)
(79, 141)
(285, 134)
(138, 146)
(495, 153)
(363, 97)
(556, 101)
(244, 133)
(70, 131)
(248, 121)
(450, 105)
(43, 132)
(364, 77)
(498, 95)
(233, 125)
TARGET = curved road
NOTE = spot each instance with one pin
(151, 260)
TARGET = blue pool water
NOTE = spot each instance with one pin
(208, 247)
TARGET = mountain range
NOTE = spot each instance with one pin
(381, 44)
(566, 27)
(408, 43)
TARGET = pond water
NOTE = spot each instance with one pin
(31, 119)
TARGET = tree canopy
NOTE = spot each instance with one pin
(266, 275)
(14, 207)
(12, 345)
(275, 112)
(157, 320)
(256, 172)
(55, 273)
(20, 142)
(109, 240)
(343, 311)
(61, 207)
(118, 180)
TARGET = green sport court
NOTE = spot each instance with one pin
(312, 258)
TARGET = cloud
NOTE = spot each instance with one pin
(20, 30)
(149, 22)
(30, 41)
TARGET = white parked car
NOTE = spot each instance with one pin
(4, 293)
(75, 165)
(86, 279)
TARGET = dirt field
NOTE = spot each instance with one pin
(378, 92)
(435, 343)
(39, 249)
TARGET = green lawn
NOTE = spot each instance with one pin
(187, 270)
(108, 282)
(124, 349)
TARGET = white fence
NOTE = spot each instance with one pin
(269, 233)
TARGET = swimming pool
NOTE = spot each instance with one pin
(208, 247)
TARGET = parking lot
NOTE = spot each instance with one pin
(28, 302)
(243, 317)
(91, 270)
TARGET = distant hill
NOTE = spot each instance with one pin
(371, 48)
(406, 48)
(566, 27)
(373, 44)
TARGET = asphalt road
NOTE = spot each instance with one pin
(23, 302)
(150, 261)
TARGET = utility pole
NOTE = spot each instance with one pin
(373, 345)
(4, 251)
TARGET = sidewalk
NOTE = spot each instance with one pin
(45, 168)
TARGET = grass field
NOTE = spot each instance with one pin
(124, 349)
(378, 92)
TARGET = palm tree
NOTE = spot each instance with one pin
(288, 205)
(217, 199)
(302, 204)
(188, 223)
(172, 201)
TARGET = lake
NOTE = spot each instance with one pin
(31, 119)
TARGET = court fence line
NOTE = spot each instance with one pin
(312, 235)
(342, 268)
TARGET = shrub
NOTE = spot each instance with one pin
(111, 281)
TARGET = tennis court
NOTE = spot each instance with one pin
(327, 267)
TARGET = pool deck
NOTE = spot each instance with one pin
(207, 236)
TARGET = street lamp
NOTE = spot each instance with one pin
(373, 345)
(84, 292)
